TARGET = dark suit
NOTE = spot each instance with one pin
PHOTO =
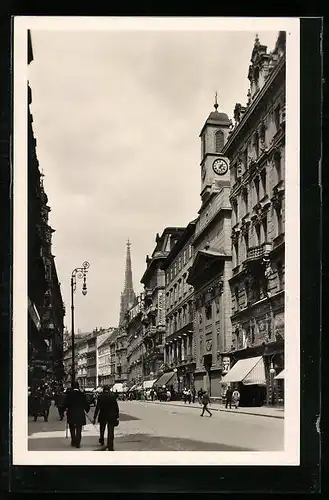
(108, 410)
(76, 404)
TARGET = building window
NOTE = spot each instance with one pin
(219, 140)
(256, 144)
(236, 296)
(235, 211)
(256, 79)
(208, 311)
(246, 242)
(247, 291)
(236, 251)
(277, 113)
(279, 268)
(265, 229)
(256, 184)
(252, 334)
(263, 180)
(277, 164)
(203, 145)
(237, 339)
(245, 200)
(257, 231)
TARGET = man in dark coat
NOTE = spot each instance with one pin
(76, 405)
(228, 396)
(60, 403)
(107, 410)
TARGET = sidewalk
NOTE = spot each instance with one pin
(261, 411)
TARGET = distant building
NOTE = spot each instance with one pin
(179, 350)
(256, 149)
(154, 312)
(135, 344)
(105, 368)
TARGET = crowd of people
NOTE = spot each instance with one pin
(76, 405)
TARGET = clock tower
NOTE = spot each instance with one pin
(215, 171)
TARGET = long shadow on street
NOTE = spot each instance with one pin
(59, 425)
(132, 442)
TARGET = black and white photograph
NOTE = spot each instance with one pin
(156, 241)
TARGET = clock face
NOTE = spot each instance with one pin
(220, 166)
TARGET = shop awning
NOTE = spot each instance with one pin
(281, 375)
(118, 387)
(250, 371)
(164, 379)
(149, 383)
(133, 387)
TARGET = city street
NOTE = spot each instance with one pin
(155, 427)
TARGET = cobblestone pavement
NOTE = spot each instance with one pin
(162, 427)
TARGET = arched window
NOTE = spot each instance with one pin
(219, 140)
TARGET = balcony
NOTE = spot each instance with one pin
(150, 330)
(258, 252)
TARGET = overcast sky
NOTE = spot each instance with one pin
(117, 117)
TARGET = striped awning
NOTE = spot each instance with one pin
(281, 375)
(250, 371)
(164, 379)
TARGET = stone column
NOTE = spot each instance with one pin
(165, 354)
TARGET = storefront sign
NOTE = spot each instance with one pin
(226, 364)
(161, 308)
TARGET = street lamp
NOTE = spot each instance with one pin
(272, 373)
(81, 273)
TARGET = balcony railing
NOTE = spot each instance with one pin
(257, 252)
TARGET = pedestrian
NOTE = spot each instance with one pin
(107, 410)
(205, 402)
(185, 395)
(228, 397)
(236, 398)
(60, 403)
(76, 405)
(189, 396)
(168, 394)
(200, 394)
(193, 395)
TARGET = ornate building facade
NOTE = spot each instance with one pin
(211, 267)
(105, 368)
(154, 312)
(45, 305)
(135, 344)
(179, 350)
(256, 149)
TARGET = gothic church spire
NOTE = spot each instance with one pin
(128, 295)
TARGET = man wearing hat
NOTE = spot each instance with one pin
(76, 405)
(107, 410)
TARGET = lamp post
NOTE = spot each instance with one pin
(81, 273)
(272, 373)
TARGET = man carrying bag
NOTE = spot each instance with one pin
(107, 410)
